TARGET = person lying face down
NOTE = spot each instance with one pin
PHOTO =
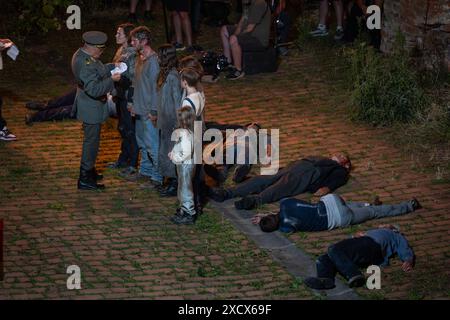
(329, 213)
(313, 174)
(373, 247)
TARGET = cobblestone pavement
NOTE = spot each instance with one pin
(125, 245)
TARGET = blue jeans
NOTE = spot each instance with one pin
(186, 175)
(147, 137)
(347, 256)
(357, 212)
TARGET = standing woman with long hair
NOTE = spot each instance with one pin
(129, 150)
(169, 97)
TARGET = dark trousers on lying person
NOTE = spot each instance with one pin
(65, 100)
(56, 109)
(347, 256)
(53, 114)
(271, 188)
(220, 172)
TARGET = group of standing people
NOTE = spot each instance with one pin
(156, 95)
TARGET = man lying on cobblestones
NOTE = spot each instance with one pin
(329, 213)
(317, 175)
(373, 247)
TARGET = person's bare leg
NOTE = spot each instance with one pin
(236, 52)
(186, 23)
(133, 5)
(339, 8)
(323, 12)
(177, 26)
(148, 5)
(226, 43)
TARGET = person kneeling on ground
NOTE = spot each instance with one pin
(374, 247)
(317, 175)
(329, 213)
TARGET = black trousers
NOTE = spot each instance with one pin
(2, 121)
(347, 256)
(57, 109)
(271, 188)
(129, 151)
(354, 28)
(53, 114)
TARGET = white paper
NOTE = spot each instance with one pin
(120, 69)
(13, 52)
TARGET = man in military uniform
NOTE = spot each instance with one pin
(94, 81)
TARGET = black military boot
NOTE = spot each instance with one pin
(171, 189)
(87, 181)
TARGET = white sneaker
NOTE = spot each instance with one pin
(319, 32)
(6, 135)
(339, 34)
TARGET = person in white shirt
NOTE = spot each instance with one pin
(181, 155)
(195, 99)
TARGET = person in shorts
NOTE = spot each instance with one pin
(179, 10)
(250, 34)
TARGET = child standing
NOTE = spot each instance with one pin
(182, 156)
(169, 96)
(195, 98)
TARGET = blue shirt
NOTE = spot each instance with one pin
(298, 215)
(391, 243)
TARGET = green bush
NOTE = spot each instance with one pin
(38, 16)
(41, 16)
(385, 88)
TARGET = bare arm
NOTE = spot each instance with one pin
(239, 26)
(257, 218)
(249, 28)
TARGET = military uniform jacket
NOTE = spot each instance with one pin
(94, 82)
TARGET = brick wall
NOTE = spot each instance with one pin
(426, 26)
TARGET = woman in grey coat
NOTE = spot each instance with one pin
(169, 101)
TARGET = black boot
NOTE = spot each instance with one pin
(87, 181)
(171, 189)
